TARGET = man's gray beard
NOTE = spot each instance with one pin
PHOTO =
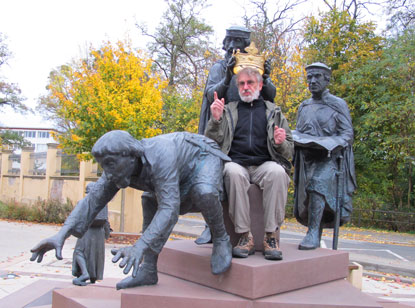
(250, 98)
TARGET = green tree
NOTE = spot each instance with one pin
(386, 127)
(12, 139)
(275, 32)
(115, 88)
(344, 44)
(354, 8)
(181, 50)
(181, 113)
(180, 45)
(60, 82)
(402, 14)
(10, 93)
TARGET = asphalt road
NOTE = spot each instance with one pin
(387, 251)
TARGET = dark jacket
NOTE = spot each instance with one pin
(222, 132)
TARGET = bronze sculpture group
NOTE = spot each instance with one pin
(183, 172)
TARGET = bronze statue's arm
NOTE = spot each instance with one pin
(79, 220)
(345, 129)
(268, 91)
(85, 211)
(216, 82)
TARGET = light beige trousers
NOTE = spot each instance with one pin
(271, 178)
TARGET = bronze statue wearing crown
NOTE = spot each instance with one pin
(222, 80)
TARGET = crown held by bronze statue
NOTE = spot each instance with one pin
(249, 59)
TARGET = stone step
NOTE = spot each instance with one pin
(172, 292)
(254, 277)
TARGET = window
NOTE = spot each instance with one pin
(29, 134)
(43, 134)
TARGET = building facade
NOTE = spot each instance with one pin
(38, 137)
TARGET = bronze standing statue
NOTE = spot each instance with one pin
(324, 166)
(178, 172)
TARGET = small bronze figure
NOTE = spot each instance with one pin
(89, 254)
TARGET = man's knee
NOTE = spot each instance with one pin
(276, 172)
(233, 171)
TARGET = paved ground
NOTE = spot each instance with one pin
(16, 271)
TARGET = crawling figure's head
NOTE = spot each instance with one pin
(117, 152)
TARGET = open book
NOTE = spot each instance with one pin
(329, 143)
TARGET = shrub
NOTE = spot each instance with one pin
(51, 211)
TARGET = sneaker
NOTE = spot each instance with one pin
(271, 249)
(245, 246)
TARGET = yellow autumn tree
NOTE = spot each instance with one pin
(114, 88)
(288, 76)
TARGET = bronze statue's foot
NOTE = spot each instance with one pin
(310, 241)
(221, 259)
(145, 277)
(81, 280)
(205, 237)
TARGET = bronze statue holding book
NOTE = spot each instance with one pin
(324, 166)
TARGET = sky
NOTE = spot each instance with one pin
(44, 34)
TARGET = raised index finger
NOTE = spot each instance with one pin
(215, 95)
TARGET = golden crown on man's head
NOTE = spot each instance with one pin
(249, 59)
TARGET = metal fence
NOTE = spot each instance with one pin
(38, 163)
(402, 221)
(15, 164)
(69, 164)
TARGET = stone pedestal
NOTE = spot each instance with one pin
(256, 212)
(303, 279)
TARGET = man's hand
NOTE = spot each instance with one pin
(132, 256)
(54, 242)
(229, 70)
(267, 69)
(279, 135)
(217, 107)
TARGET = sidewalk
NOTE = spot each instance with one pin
(16, 271)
